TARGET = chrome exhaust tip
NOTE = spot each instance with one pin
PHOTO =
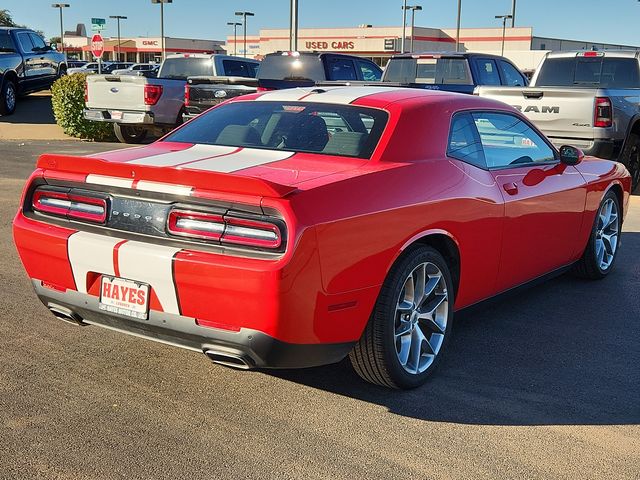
(65, 314)
(229, 359)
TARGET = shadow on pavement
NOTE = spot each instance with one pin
(564, 352)
(33, 109)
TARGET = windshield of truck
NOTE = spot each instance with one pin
(323, 128)
(182, 67)
(447, 71)
(601, 71)
(289, 67)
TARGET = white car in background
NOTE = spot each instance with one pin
(136, 67)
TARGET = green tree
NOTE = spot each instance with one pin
(6, 20)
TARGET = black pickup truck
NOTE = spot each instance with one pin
(27, 64)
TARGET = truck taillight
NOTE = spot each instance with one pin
(603, 114)
(187, 94)
(264, 89)
(228, 229)
(152, 94)
(70, 205)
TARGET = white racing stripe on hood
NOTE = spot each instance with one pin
(341, 95)
(190, 154)
(245, 158)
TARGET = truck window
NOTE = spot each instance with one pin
(237, 68)
(25, 42)
(370, 71)
(511, 75)
(6, 44)
(252, 69)
(341, 69)
(290, 67)
(429, 71)
(603, 72)
(38, 42)
(488, 72)
(182, 67)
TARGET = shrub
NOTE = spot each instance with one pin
(67, 98)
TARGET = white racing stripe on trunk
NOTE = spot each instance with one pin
(341, 95)
(245, 158)
(109, 181)
(89, 252)
(182, 156)
(163, 188)
(152, 264)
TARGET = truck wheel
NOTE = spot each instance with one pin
(129, 134)
(630, 158)
(8, 96)
(410, 324)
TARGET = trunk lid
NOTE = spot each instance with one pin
(124, 92)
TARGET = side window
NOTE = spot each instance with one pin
(511, 75)
(370, 71)
(508, 141)
(488, 72)
(233, 68)
(252, 69)
(341, 69)
(6, 43)
(25, 42)
(38, 42)
(464, 142)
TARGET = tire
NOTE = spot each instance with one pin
(630, 158)
(129, 134)
(604, 240)
(8, 97)
(377, 357)
(62, 72)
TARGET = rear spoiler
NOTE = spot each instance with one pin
(66, 166)
(248, 81)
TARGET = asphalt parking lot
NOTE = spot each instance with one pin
(545, 384)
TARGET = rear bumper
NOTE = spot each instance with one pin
(119, 116)
(259, 349)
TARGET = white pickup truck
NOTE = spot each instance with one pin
(138, 105)
(588, 99)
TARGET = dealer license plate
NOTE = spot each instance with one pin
(124, 297)
(116, 114)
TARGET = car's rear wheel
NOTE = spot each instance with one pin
(602, 249)
(129, 133)
(411, 322)
(630, 158)
(8, 98)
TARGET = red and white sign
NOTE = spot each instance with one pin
(124, 297)
(97, 45)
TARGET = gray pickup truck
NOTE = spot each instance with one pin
(137, 105)
(589, 99)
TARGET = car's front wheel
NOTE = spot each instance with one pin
(411, 322)
(602, 249)
(129, 133)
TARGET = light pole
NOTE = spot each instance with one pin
(504, 27)
(235, 37)
(162, 2)
(118, 18)
(244, 16)
(404, 26)
(458, 27)
(513, 13)
(413, 9)
(293, 26)
(61, 6)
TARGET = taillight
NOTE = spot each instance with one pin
(603, 114)
(264, 89)
(70, 205)
(152, 94)
(187, 94)
(86, 92)
(229, 229)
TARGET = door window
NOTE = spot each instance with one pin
(488, 72)
(25, 42)
(370, 71)
(38, 43)
(341, 69)
(511, 75)
(508, 141)
(464, 142)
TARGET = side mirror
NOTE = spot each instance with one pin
(570, 155)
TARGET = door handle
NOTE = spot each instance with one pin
(511, 188)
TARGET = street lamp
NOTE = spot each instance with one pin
(513, 13)
(235, 37)
(293, 26)
(162, 2)
(413, 9)
(404, 26)
(458, 27)
(61, 6)
(118, 18)
(244, 16)
(504, 26)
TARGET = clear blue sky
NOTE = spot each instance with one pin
(609, 21)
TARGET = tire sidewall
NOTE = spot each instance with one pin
(632, 142)
(385, 314)
(591, 249)
(4, 108)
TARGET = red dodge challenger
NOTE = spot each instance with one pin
(293, 228)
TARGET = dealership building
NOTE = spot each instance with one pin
(379, 43)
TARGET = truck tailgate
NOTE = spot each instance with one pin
(561, 113)
(124, 92)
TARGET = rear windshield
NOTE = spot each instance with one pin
(287, 67)
(604, 72)
(329, 129)
(446, 71)
(182, 67)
